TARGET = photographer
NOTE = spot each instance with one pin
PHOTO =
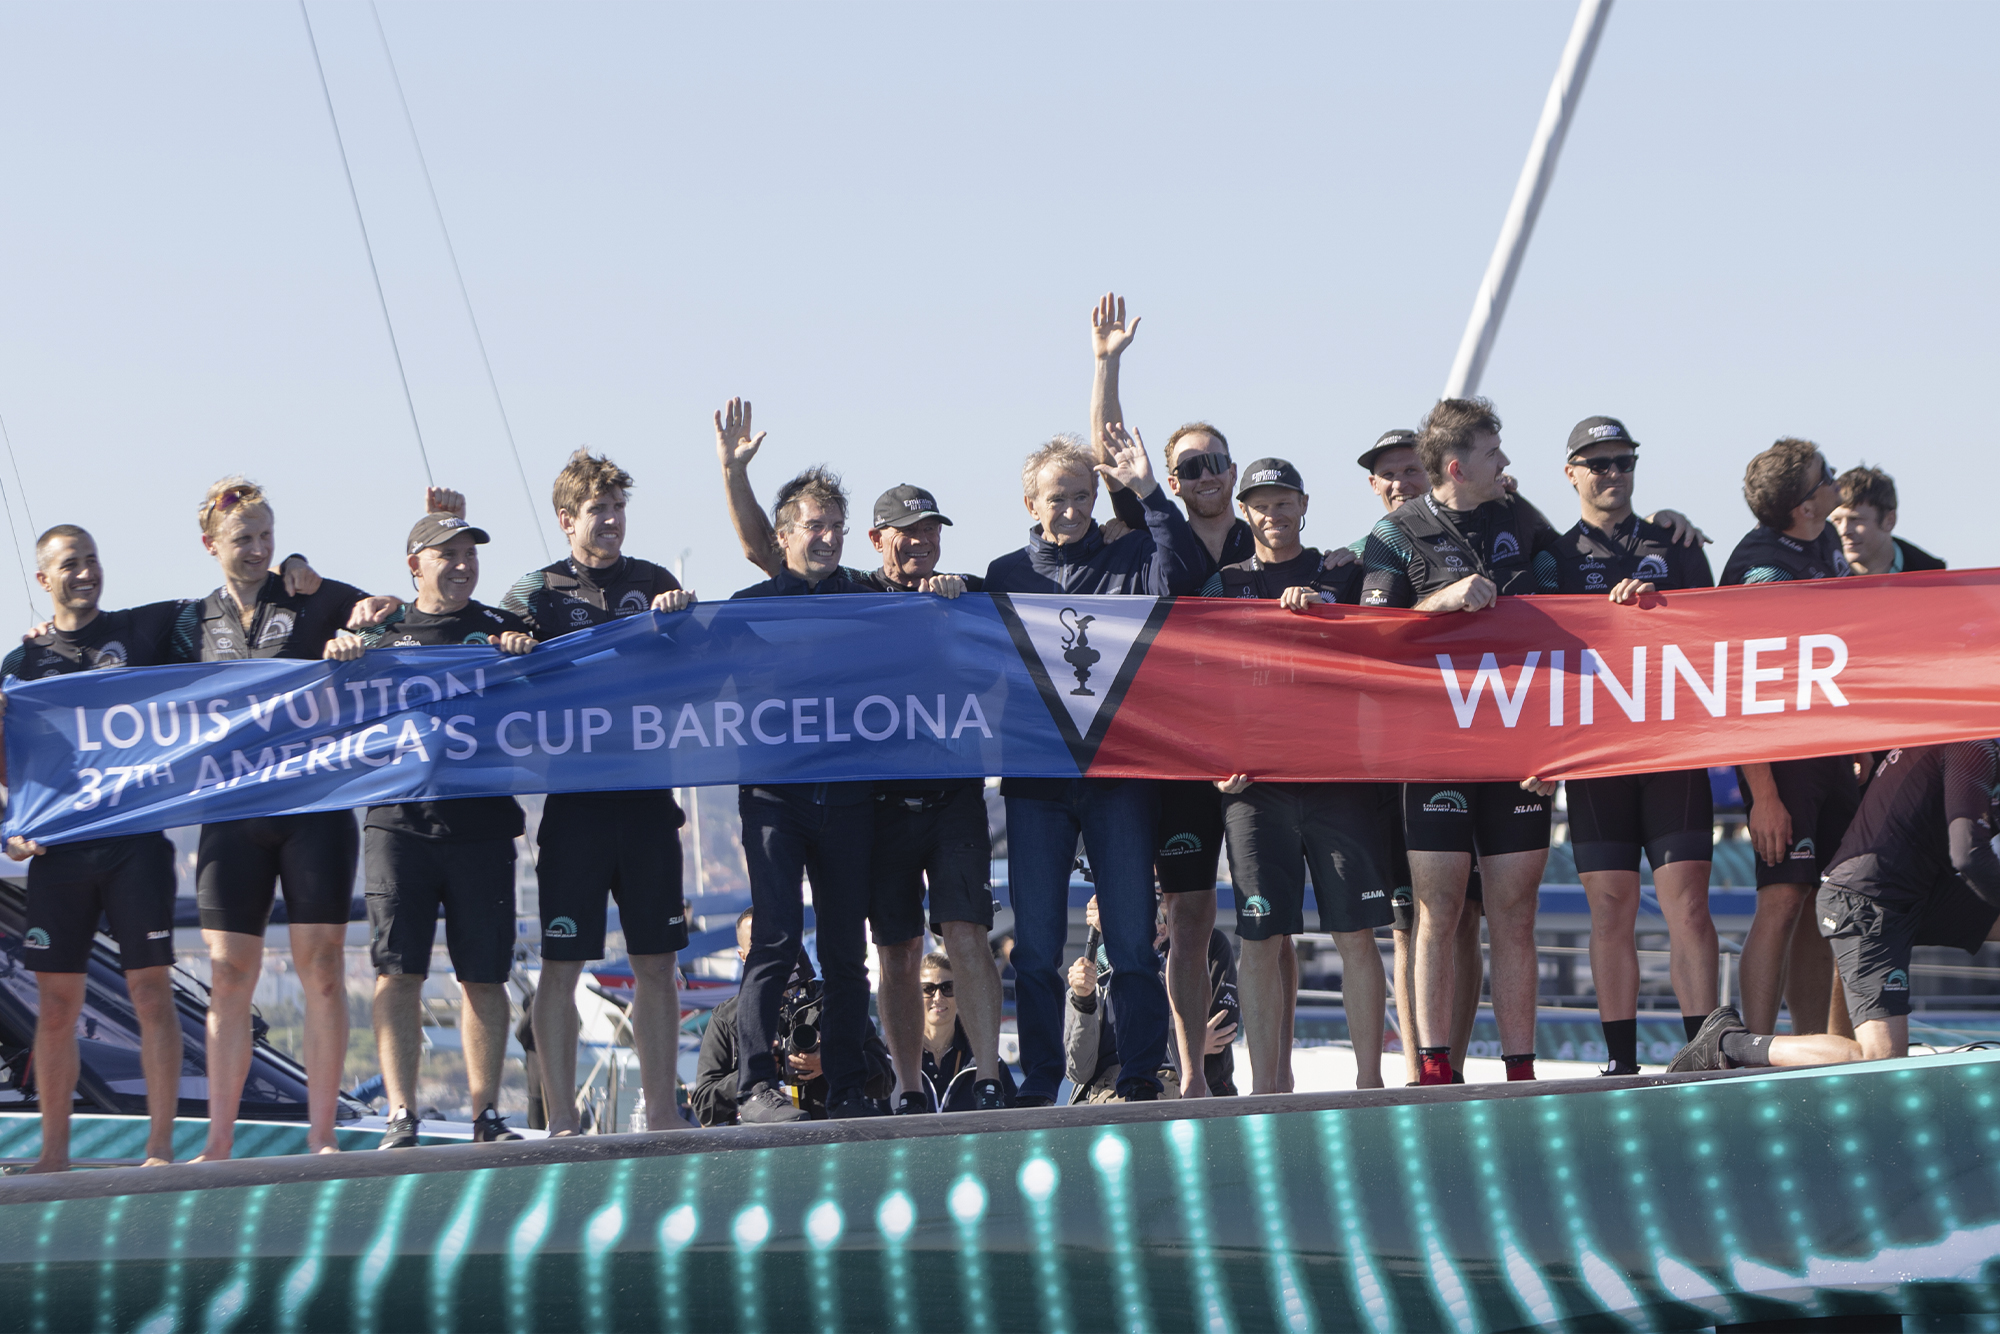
(713, 1100)
(1090, 1043)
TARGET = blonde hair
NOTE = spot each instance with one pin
(1067, 452)
(229, 496)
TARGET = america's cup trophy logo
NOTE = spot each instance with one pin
(1077, 651)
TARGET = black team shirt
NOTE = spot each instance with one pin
(1899, 846)
(460, 819)
(1592, 560)
(133, 637)
(1255, 579)
(282, 626)
(1422, 547)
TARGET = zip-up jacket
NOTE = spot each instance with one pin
(1163, 559)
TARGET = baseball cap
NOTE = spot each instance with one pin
(1388, 440)
(1596, 431)
(436, 529)
(901, 506)
(1269, 472)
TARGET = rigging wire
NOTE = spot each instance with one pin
(464, 295)
(366, 245)
(27, 587)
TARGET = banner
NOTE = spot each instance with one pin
(803, 690)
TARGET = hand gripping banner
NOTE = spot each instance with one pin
(802, 690)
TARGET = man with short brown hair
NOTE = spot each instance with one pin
(1866, 522)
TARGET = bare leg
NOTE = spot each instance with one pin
(1438, 884)
(656, 1036)
(1766, 948)
(1260, 989)
(1362, 989)
(1614, 949)
(319, 953)
(1878, 1039)
(1819, 1048)
(482, 1022)
(1406, 1008)
(1289, 962)
(160, 1055)
(1190, 923)
(1837, 1021)
(1809, 980)
(235, 959)
(977, 989)
(59, 1002)
(1683, 891)
(552, 1012)
(1512, 883)
(1469, 975)
(901, 1006)
(399, 1038)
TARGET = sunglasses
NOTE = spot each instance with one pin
(1190, 466)
(936, 989)
(1624, 463)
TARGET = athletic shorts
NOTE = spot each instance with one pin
(1670, 815)
(242, 861)
(1190, 837)
(1280, 832)
(129, 879)
(593, 847)
(1488, 819)
(1822, 797)
(410, 878)
(1872, 938)
(936, 844)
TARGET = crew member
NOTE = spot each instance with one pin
(1797, 810)
(1278, 832)
(1612, 552)
(595, 846)
(1461, 546)
(456, 854)
(128, 878)
(1866, 522)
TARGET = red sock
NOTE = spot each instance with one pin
(1436, 1067)
(1520, 1067)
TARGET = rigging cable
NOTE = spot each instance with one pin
(26, 587)
(464, 295)
(366, 245)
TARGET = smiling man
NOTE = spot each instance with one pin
(1866, 522)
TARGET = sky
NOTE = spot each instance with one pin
(886, 225)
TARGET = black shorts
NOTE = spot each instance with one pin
(1872, 937)
(1489, 819)
(936, 842)
(1278, 832)
(595, 846)
(410, 878)
(1822, 797)
(1670, 815)
(241, 862)
(129, 879)
(1190, 837)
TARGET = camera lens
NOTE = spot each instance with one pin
(805, 1038)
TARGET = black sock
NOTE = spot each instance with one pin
(1747, 1048)
(1621, 1041)
(1692, 1023)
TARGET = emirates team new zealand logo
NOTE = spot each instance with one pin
(1098, 641)
(1077, 651)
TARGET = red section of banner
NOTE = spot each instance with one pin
(1563, 687)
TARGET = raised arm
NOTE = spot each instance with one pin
(735, 446)
(1110, 335)
(1179, 564)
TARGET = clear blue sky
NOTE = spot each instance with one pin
(886, 225)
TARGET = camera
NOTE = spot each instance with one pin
(799, 1021)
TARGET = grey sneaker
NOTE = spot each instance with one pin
(1704, 1052)
(768, 1107)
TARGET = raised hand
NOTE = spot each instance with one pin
(1110, 335)
(734, 444)
(301, 579)
(444, 500)
(1129, 466)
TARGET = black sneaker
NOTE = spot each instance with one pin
(991, 1099)
(1704, 1052)
(1140, 1092)
(855, 1104)
(1616, 1068)
(489, 1127)
(401, 1132)
(914, 1103)
(1034, 1100)
(768, 1107)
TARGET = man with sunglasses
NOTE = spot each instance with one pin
(1612, 552)
(1797, 810)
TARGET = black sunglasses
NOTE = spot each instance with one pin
(1190, 466)
(1624, 463)
(936, 989)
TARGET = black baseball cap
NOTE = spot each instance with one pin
(436, 529)
(1596, 431)
(901, 506)
(1388, 440)
(1269, 472)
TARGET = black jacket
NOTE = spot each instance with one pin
(1164, 557)
(1915, 557)
(713, 1098)
(952, 1081)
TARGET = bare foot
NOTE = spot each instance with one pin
(154, 1160)
(45, 1165)
(564, 1134)
(327, 1148)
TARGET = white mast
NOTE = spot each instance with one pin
(1533, 187)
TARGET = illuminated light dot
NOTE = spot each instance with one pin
(1110, 1153)
(1924, 1138)
(1703, 1147)
(1860, 1183)
(1638, 1178)
(967, 1200)
(1913, 1102)
(677, 1228)
(1493, 1194)
(1721, 1214)
(823, 1224)
(1562, 1172)
(1803, 1245)
(752, 1226)
(1932, 1173)
(1697, 1115)
(1840, 1109)
(896, 1216)
(1986, 1100)
(1038, 1179)
(1181, 1133)
(1631, 1145)
(1786, 1184)
(1713, 1182)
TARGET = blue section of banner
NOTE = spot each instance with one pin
(779, 690)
